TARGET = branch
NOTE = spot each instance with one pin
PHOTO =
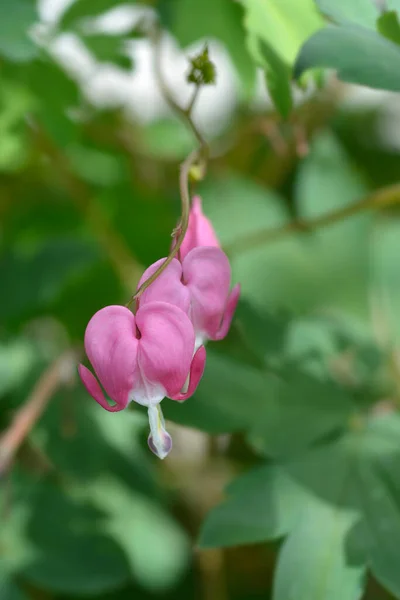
(382, 198)
(26, 417)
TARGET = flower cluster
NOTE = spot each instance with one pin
(159, 351)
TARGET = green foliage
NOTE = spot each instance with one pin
(220, 19)
(83, 9)
(358, 12)
(108, 48)
(388, 25)
(16, 17)
(359, 55)
(277, 75)
(297, 414)
(337, 501)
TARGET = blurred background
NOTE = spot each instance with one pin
(89, 196)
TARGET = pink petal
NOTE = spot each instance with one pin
(167, 287)
(196, 373)
(165, 348)
(200, 231)
(92, 385)
(111, 346)
(207, 274)
(230, 308)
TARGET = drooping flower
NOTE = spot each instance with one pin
(142, 358)
(200, 232)
(200, 286)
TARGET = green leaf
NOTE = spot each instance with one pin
(359, 12)
(313, 564)
(358, 54)
(53, 102)
(389, 26)
(301, 410)
(282, 24)
(277, 74)
(168, 139)
(36, 277)
(261, 505)
(385, 275)
(16, 359)
(229, 398)
(144, 531)
(9, 590)
(327, 181)
(74, 553)
(191, 21)
(95, 166)
(272, 276)
(108, 48)
(16, 17)
(82, 9)
(298, 272)
(379, 488)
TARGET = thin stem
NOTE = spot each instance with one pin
(185, 114)
(379, 199)
(185, 197)
(193, 99)
(30, 412)
(199, 155)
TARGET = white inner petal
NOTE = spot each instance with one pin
(201, 339)
(145, 392)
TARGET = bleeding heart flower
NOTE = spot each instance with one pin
(200, 232)
(142, 357)
(199, 286)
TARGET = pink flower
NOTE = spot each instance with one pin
(200, 286)
(142, 357)
(200, 231)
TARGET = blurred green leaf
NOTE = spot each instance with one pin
(95, 166)
(298, 272)
(277, 74)
(260, 505)
(389, 26)
(15, 102)
(9, 591)
(34, 278)
(271, 276)
(83, 9)
(53, 102)
(386, 276)
(283, 24)
(16, 18)
(323, 570)
(230, 397)
(16, 359)
(85, 294)
(155, 546)
(302, 409)
(108, 48)
(359, 12)
(221, 19)
(167, 139)
(74, 554)
(327, 181)
(340, 501)
(358, 54)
